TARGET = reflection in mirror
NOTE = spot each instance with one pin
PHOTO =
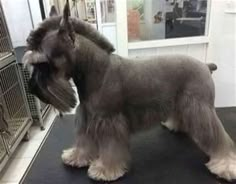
(161, 19)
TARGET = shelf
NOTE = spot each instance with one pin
(168, 42)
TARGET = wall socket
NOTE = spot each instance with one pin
(230, 6)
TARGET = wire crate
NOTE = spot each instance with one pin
(38, 109)
(12, 98)
(5, 41)
(3, 152)
(15, 118)
(14, 108)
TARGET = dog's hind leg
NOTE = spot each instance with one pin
(201, 123)
(223, 160)
(114, 156)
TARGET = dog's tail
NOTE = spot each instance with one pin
(212, 67)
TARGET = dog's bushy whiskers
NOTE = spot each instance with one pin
(63, 96)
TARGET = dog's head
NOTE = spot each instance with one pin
(49, 58)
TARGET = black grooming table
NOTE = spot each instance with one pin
(159, 157)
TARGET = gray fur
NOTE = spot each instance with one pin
(119, 96)
(79, 26)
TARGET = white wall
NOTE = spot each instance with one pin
(19, 20)
(109, 31)
(222, 51)
(195, 50)
(36, 13)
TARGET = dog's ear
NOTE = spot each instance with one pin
(66, 26)
(53, 11)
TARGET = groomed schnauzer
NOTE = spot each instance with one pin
(119, 96)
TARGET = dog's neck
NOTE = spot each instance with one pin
(90, 65)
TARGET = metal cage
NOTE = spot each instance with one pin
(15, 117)
(12, 98)
(5, 41)
(15, 110)
(3, 151)
(38, 109)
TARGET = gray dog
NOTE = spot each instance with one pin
(119, 96)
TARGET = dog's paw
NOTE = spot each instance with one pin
(98, 171)
(73, 158)
(224, 166)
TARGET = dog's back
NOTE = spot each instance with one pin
(164, 75)
(155, 84)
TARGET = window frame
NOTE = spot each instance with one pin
(122, 33)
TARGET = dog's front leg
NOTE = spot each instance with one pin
(85, 149)
(113, 142)
(82, 154)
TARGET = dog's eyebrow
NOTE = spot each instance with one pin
(33, 57)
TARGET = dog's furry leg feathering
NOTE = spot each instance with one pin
(113, 147)
(85, 149)
(202, 124)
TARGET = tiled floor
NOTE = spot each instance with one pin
(25, 153)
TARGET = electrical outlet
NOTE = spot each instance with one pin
(230, 6)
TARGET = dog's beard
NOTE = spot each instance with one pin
(62, 95)
(57, 92)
